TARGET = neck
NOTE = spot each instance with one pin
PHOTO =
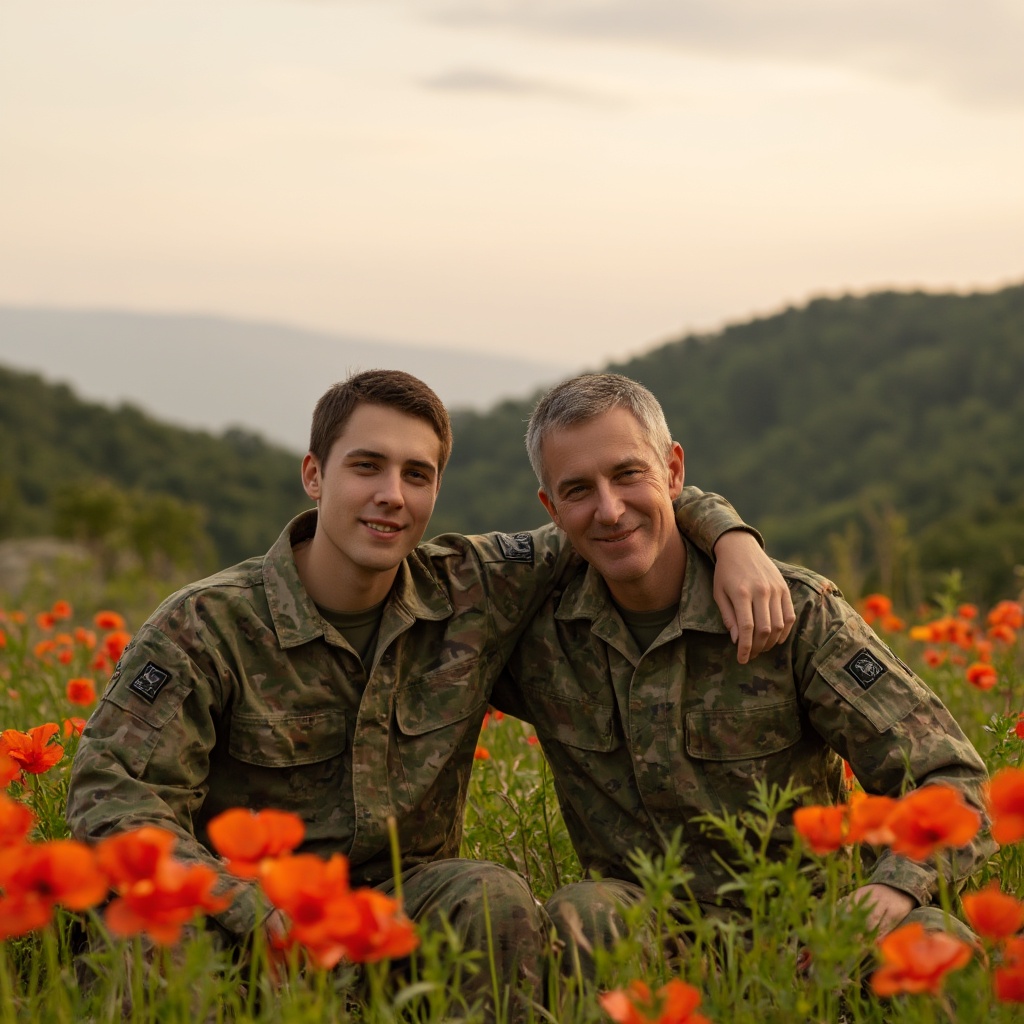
(334, 583)
(660, 587)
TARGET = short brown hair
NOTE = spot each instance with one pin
(394, 389)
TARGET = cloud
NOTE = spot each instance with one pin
(971, 52)
(483, 80)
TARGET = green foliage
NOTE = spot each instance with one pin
(873, 438)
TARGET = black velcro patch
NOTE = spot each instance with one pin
(865, 668)
(516, 547)
(150, 681)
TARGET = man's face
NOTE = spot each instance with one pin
(612, 495)
(376, 489)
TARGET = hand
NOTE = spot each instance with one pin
(751, 595)
(887, 906)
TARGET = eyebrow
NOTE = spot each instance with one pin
(367, 453)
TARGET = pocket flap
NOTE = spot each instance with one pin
(283, 741)
(736, 734)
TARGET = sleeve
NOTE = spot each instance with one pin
(892, 729)
(704, 517)
(144, 759)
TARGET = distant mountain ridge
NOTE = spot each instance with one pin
(878, 439)
(211, 373)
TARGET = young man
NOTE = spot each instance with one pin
(344, 675)
(649, 722)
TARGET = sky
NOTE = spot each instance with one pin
(565, 180)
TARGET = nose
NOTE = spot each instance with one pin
(609, 505)
(389, 490)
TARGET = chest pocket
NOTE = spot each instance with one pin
(287, 740)
(440, 698)
(739, 734)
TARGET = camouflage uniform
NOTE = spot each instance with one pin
(236, 693)
(640, 743)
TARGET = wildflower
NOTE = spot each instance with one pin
(32, 749)
(101, 663)
(155, 893)
(15, 821)
(108, 620)
(915, 960)
(1009, 978)
(967, 611)
(115, 643)
(673, 1003)
(72, 727)
(81, 691)
(375, 930)
(481, 753)
(533, 739)
(876, 606)
(983, 650)
(893, 624)
(1007, 613)
(1019, 727)
(64, 656)
(982, 675)
(869, 819)
(929, 819)
(246, 838)
(18, 618)
(849, 779)
(993, 914)
(9, 769)
(1003, 633)
(36, 877)
(933, 657)
(61, 610)
(1006, 804)
(45, 620)
(85, 637)
(822, 828)
(3, 639)
(43, 648)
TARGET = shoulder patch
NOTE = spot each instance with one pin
(865, 668)
(516, 547)
(150, 681)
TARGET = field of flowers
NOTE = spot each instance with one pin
(803, 955)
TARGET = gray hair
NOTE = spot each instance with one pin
(586, 396)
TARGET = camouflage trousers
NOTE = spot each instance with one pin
(493, 912)
(589, 915)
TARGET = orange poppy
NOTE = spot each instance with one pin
(108, 620)
(115, 643)
(673, 1003)
(931, 818)
(9, 769)
(36, 877)
(81, 691)
(32, 749)
(43, 648)
(155, 893)
(481, 753)
(967, 611)
(246, 838)
(915, 960)
(933, 657)
(61, 610)
(1018, 729)
(85, 638)
(16, 821)
(3, 639)
(1007, 613)
(1009, 978)
(993, 914)
(876, 606)
(982, 675)
(372, 928)
(1003, 633)
(822, 828)
(893, 624)
(869, 819)
(45, 620)
(1006, 805)
(72, 727)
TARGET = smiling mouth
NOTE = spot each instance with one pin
(615, 537)
(381, 527)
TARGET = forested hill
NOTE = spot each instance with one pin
(880, 439)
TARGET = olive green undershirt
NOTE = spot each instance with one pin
(646, 627)
(358, 628)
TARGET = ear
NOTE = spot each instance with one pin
(311, 480)
(676, 472)
(546, 501)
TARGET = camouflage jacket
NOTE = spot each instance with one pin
(236, 693)
(640, 744)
